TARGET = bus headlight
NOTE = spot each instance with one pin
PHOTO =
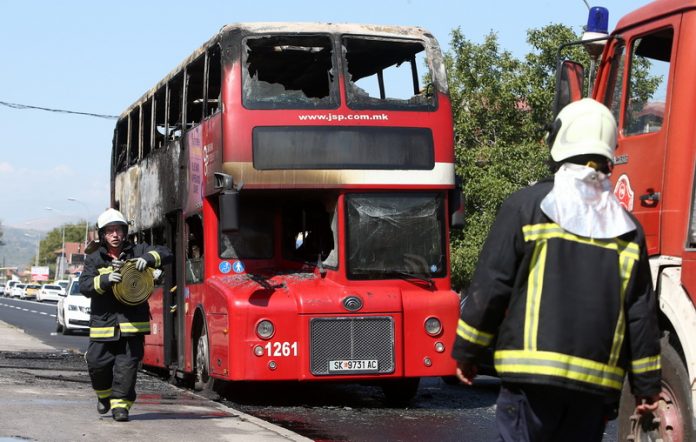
(264, 329)
(433, 326)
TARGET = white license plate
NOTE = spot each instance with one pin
(353, 365)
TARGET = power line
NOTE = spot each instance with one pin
(62, 111)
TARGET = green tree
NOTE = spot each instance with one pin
(501, 107)
(51, 244)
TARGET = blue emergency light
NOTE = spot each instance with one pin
(598, 20)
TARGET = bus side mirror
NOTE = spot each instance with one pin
(228, 202)
(569, 84)
(229, 211)
(456, 206)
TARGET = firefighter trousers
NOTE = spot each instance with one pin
(535, 413)
(113, 368)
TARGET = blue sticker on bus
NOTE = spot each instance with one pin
(238, 267)
(225, 267)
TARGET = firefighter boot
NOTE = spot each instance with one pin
(120, 415)
(103, 405)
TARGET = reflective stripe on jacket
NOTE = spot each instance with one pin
(561, 309)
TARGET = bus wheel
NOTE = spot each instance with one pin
(202, 379)
(672, 420)
(400, 392)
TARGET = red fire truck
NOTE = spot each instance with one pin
(304, 176)
(645, 71)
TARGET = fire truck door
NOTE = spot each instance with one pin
(637, 92)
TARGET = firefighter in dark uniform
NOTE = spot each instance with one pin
(116, 329)
(563, 291)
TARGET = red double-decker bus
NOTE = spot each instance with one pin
(304, 176)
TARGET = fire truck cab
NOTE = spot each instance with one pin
(645, 75)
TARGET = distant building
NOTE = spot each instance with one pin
(69, 261)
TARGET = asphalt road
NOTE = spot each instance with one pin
(327, 411)
(39, 320)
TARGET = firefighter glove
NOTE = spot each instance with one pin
(117, 264)
(114, 277)
(140, 264)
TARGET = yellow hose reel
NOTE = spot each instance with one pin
(135, 287)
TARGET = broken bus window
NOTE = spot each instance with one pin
(385, 74)
(289, 72)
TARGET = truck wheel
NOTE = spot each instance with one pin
(400, 392)
(672, 420)
(202, 380)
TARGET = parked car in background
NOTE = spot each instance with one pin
(63, 283)
(50, 292)
(72, 310)
(8, 287)
(30, 291)
(18, 290)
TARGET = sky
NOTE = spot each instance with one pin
(99, 57)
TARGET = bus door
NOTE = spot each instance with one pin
(637, 92)
(171, 284)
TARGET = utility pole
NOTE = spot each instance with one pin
(62, 253)
(75, 200)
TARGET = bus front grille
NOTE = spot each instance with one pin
(368, 341)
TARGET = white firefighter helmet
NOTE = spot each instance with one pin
(583, 127)
(111, 216)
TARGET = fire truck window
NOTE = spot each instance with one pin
(194, 249)
(613, 97)
(254, 239)
(647, 87)
(285, 71)
(386, 74)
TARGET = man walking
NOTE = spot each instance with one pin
(563, 287)
(116, 329)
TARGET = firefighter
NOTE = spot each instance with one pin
(562, 291)
(116, 329)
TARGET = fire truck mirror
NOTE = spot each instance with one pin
(229, 211)
(569, 84)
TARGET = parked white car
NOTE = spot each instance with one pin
(18, 290)
(63, 283)
(73, 310)
(8, 287)
(50, 292)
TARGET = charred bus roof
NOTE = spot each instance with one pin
(244, 29)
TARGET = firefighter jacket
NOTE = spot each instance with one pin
(560, 309)
(110, 319)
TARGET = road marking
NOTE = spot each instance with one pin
(52, 315)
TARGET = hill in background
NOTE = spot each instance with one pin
(19, 250)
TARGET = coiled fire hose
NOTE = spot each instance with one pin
(135, 287)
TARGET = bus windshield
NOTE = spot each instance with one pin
(390, 235)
